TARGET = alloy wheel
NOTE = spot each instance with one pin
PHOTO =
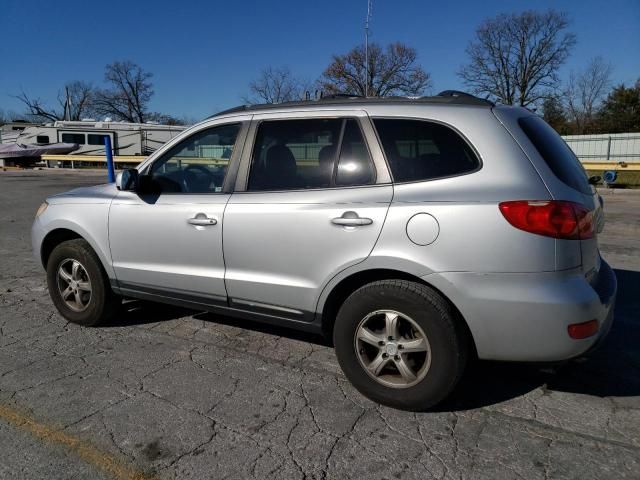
(74, 284)
(392, 348)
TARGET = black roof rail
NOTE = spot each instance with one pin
(334, 96)
(447, 97)
(239, 108)
(460, 94)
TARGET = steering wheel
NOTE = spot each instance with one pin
(200, 168)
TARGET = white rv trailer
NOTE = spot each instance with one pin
(10, 131)
(126, 138)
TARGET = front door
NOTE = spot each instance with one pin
(169, 243)
(311, 208)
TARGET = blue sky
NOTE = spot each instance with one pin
(204, 54)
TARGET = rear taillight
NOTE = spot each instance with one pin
(578, 331)
(552, 218)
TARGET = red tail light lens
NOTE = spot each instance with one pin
(551, 218)
(578, 331)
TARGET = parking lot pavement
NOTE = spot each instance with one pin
(168, 393)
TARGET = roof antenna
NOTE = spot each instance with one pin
(366, 48)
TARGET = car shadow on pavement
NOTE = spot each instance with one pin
(613, 370)
(141, 312)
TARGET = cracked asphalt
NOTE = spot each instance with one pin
(168, 393)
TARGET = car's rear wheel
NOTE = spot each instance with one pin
(400, 344)
(78, 284)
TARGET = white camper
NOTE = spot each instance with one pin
(126, 138)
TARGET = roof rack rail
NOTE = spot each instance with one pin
(336, 96)
(446, 97)
(239, 108)
(460, 94)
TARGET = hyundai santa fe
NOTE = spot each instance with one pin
(415, 232)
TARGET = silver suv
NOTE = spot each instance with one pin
(416, 233)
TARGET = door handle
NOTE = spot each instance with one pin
(202, 220)
(351, 219)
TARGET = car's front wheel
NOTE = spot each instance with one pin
(400, 344)
(78, 285)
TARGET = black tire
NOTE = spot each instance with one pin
(102, 303)
(448, 341)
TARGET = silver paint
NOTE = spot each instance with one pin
(285, 252)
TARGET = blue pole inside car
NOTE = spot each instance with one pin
(110, 170)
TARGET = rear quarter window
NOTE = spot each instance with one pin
(421, 150)
(556, 153)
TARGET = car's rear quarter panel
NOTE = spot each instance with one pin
(505, 282)
(473, 236)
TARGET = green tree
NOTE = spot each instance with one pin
(620, 112)
(554, 115)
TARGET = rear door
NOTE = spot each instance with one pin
(311, 200)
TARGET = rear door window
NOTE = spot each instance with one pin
(304, 154)
(421, 150)
(556, 153)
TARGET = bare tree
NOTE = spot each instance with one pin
(392, 71)
(275, 85)
(37, 110)
(515, 57)
(585, 91)
(75, 102)
(166, 119)
(127, 97)
(11, 116)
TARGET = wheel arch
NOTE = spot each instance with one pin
(352, 282)
(61, 234)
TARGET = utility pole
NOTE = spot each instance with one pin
(366, 49)
(67, 104)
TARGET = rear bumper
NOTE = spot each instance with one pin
(525, 316)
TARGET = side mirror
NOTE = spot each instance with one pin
(128, 180)
(595, 180)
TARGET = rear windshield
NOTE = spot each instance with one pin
(559, 157)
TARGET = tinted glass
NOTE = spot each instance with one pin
(42, 139)
(73, 138)
(294, 154)
(198, 164)
(95, 139)
(556, 153)
(420, 150)
(354, 166)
